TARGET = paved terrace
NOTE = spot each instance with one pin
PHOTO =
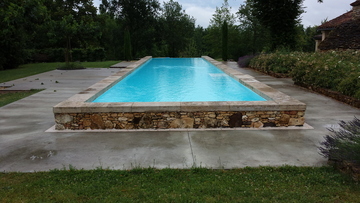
(25, 146)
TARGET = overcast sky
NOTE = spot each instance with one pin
(202, 10)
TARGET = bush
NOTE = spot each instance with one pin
(278, 62)
(343, 145)
(334, 70)
(71, 66)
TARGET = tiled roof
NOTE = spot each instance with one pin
(345, 36)
(346, 17)
(356, 3)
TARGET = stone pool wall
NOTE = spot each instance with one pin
(174, 120)
(78, 112)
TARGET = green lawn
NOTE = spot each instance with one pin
(36, 68)
(7, 98)
(264, 184)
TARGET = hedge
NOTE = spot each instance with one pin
(333, 70)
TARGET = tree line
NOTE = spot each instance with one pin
(130, 29)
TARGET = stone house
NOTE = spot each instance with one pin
(342, 32)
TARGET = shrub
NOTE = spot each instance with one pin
(334, 70)
(344, 144)
(278, 62)
(70, 66)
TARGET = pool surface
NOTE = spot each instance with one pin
(178, 80)
(275, 109)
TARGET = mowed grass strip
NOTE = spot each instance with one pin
(7, 98)
(264, 184)
(36, 68)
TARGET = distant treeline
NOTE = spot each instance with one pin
(75, 30)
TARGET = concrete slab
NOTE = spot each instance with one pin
(122, 64)
(25, 146)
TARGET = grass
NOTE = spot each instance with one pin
(7, 98)
(36, 68)
(269, 184)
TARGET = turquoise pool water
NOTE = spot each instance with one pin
(178, 80)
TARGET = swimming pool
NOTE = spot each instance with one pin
(178, 80)
(79, 112)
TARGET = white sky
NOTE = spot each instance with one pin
(202, 10)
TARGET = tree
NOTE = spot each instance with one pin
(281, 18)
(214, 32)
(140, 17)
(254, 36)
(225, 41)
(178, 27)
(19, 18)
(127, 45)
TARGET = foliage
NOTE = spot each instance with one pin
(7, 98)
(127, 46)
(277, 62)
(177, 29)
(71, 66)
(281, 18)
(269, 184)
(140, 18)
(213, 36)
(18, 20)
(328, 70)
(335, 70)
(343, 144)
(255, 37)
(224, 41)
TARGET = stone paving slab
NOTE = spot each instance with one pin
(25, 146)
(122, 64)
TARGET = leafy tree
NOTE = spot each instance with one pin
(140, 17)
(127, 45)
(178, 27)
(213, 37)
(112, 36)
(225, 41)
(254, 36)
(19, 18)
(305, 41)
(281, 18)
(84, 20)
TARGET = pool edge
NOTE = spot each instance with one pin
(279, 110)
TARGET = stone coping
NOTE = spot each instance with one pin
(81, 102)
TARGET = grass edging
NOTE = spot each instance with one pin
(270, 184)
(37, 68)
(9, 97)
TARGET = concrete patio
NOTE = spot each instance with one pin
(26, 147)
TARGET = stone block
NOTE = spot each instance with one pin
(187, 122)
(236, 120)
(257, 124)
(97, 122)
(109, 125)
(63, 118)
(59, 127)
(284, 119)
(296, 121)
